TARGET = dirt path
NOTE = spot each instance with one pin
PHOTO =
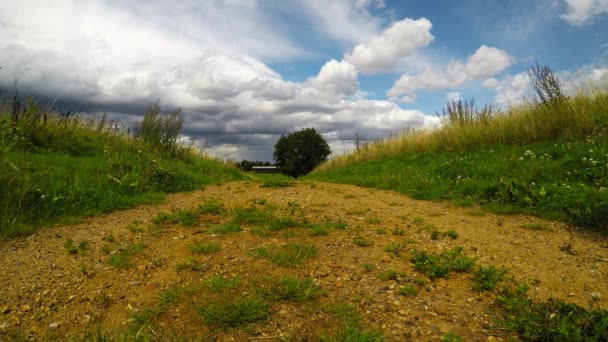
(48, 293)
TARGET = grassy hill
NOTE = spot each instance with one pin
(53, 166)
(548, 159)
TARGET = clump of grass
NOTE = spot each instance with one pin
(190, 265)
(205, 247)
(551, 320)
(235, 313)
(367, 267)
(295, 290)
(362, 242)
(278, 183)
(212, 206)
(388, 275)
(81, 248)
(451, 337)
(135, 226)
(380, 231)
(182, 216)
(291, 254)
(486, 278)
(408, 290)
(373, 220)
(537, 226)
(219, 284)
(352, 329)
(226, 228)
(440, 266)
(396, 247)
(121, 259)
(398, 231)
(436, 234)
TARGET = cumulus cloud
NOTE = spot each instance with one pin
(581, 12)
(485, 62)
(383, 52)
(122, 58)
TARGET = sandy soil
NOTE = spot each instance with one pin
(47, 293)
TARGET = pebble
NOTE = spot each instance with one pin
(5, 310)
(54, 325)
(441, 311)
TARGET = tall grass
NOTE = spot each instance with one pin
(55, 165)
(576, 117)
(544, 158)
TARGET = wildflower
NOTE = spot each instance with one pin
(521, 158)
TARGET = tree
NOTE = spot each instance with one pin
(300, 152)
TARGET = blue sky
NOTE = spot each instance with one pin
(246, 71)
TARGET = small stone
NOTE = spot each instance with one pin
(70, 298)
(54, 325)
(491, 339)
(5, 310)
(571, 294)
(385, 258)
(441, 311)
(283, 312)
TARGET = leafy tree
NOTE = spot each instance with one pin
(300, 152)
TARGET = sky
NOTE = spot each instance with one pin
(244, 72)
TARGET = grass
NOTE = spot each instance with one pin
(81, 248)
(291, 254)
(546, 160)
(186, 217)
(486, 278)
(121, 259)
(219, 284)
(441, 265)
(551, 320)
(234, 313)
(537, 226)
(212, 206)
(189, 265)
(202, 247)
(408, 290)
(55, 167)
(352, 328)
(291, 289)
(362, 242)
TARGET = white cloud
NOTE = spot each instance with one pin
(342, 20)
(383, 52)
(120, 60)
(512, 90)
(337, 78)
(581, 12)
(485, 62)
(370, 3)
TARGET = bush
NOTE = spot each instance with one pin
(300, 152)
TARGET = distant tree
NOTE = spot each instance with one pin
(546, 84)
(300, 152)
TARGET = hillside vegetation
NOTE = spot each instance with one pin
(546, 158)
(54, 166)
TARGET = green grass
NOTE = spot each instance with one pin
(202, 247)
(549, 161)
(352, 327)
(440, 265)
(184, 217)
(408, 290)
(486, 278)
(551, 320)
(291, 254)
(189, 265)
(53, 168)
(219, 284)
(121, 259)
(212, 206)
(363, 242)
(234, 313)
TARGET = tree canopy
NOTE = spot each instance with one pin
(300, 152)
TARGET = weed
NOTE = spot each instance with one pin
(109, 238)
(211, 206)
(234, 313)
(226, 228)
(475, 213)
(278, 183)
(82, 247)
(367, 267)
(135, 226)
(439, 266)
(355, 212)
(418, 221)
(537, 226)
(408, 290)
(486, 278)
(380, 231)
(435, 234)
(398, 231)
(317, 230)
(500, 221)
(190, 265)
(551, 320)
(463, 202)
(291, 254)
(121, 259)
(373, 220)
(352, 329)
(420, 281)
(388, 275)
(205, 247)
(363, 242)
(396, 247)
(452, 234)
(219, 284)
(294, 290)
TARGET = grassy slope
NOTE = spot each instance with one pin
(548, 161)
(58, 168)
